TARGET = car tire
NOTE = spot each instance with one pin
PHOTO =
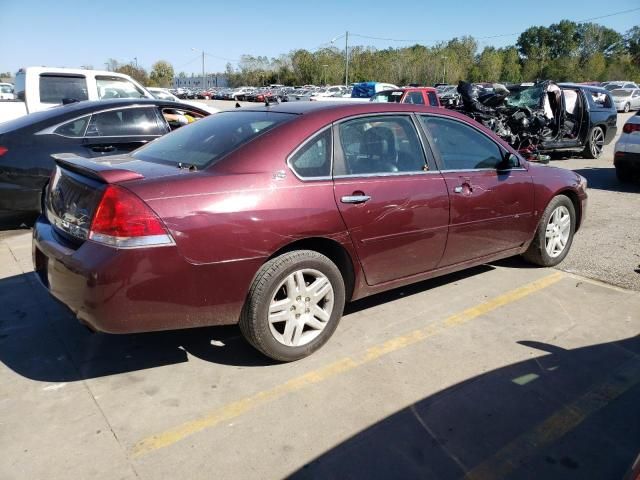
(595, 143)
(552, 233)
(623, 174)
(284, 320)
(627, 107)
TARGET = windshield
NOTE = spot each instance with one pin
(528, 97)
(612, 86)
(204, 143)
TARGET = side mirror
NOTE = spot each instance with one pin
(509, 161)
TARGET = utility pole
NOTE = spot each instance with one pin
(324, 73)
(346, 59)
(203, 69)
(136, 59)
(444, 68)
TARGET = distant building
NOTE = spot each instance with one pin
(210, 80)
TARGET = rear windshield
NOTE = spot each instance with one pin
(388, 96)
(620, 93)
(205, 142)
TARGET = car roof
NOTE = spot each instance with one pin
(338, 107)
(76, 109)
(591, 88)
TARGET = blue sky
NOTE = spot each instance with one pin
(74, 33)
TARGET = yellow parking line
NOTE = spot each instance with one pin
(508, 458)
(235, 409)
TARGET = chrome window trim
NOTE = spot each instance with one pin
(302, 145)
(409, 116)
(387, 174)
(484, 170)
(51, 130)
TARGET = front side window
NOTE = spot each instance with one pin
(379, 145)
(124, 123)
(116, 87)
(314, 158)
(460, 146)
(210, 139)
(415, 98)
(74, 128)
(56, 88)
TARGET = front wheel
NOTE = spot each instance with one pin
(627, 107)
(595, 143)
(554, 235)
(294, 305)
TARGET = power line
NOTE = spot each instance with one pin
(423, 41)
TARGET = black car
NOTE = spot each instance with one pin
(544, 117)
(88, 129)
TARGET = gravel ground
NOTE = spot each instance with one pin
(607, 247)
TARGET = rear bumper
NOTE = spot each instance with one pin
(139, 290)
(627, 160)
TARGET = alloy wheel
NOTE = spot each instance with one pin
(301, 307)
(558, 230)
(597, 142)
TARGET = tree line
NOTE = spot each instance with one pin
(565, 51)
(161, 74)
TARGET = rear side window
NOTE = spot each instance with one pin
(433, 99)
(460, 146)
(116, 87)
(125, 123)
(75, 128)
(599, 99)
(379, 145)
(56, 88)
(314, 158)
(415, 98)
(208, 140)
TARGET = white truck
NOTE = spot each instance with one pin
(40, 88)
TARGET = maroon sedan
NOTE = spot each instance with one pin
(274, 217)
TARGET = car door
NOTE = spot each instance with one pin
(394, 204)
(121, 130)
(491, 207)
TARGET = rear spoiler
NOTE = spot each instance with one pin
(103, 172)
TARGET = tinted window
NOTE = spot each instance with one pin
(599, 99)
(460, 146)
(55, 88)
(125, 122)
(415, 98)
(314, 158)
(211, 138)
(375, 145)
(74, 128)
(116, 87)
(433, 99)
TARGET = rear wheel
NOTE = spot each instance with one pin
(595, 143)
(554, 235)
(294, 305)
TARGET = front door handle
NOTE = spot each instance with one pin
(355, 198)
(458, 189)
(466, 189)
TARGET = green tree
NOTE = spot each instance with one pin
(139, 74)
(161, 74)
(511, 68)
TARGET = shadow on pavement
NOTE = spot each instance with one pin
(41, 340)
(602, 178)
(568, 414)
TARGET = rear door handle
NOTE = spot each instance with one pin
(355, 198)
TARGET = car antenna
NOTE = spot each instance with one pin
(237, 105)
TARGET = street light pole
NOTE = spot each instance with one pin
(136, 59)
(203, 53)
(346, 59)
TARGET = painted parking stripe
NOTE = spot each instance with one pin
(566, 419)
(237, 408)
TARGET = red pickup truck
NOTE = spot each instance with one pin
(415, 95)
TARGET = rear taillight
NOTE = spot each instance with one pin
(631, 127)
(3, 150)
(124, 220)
